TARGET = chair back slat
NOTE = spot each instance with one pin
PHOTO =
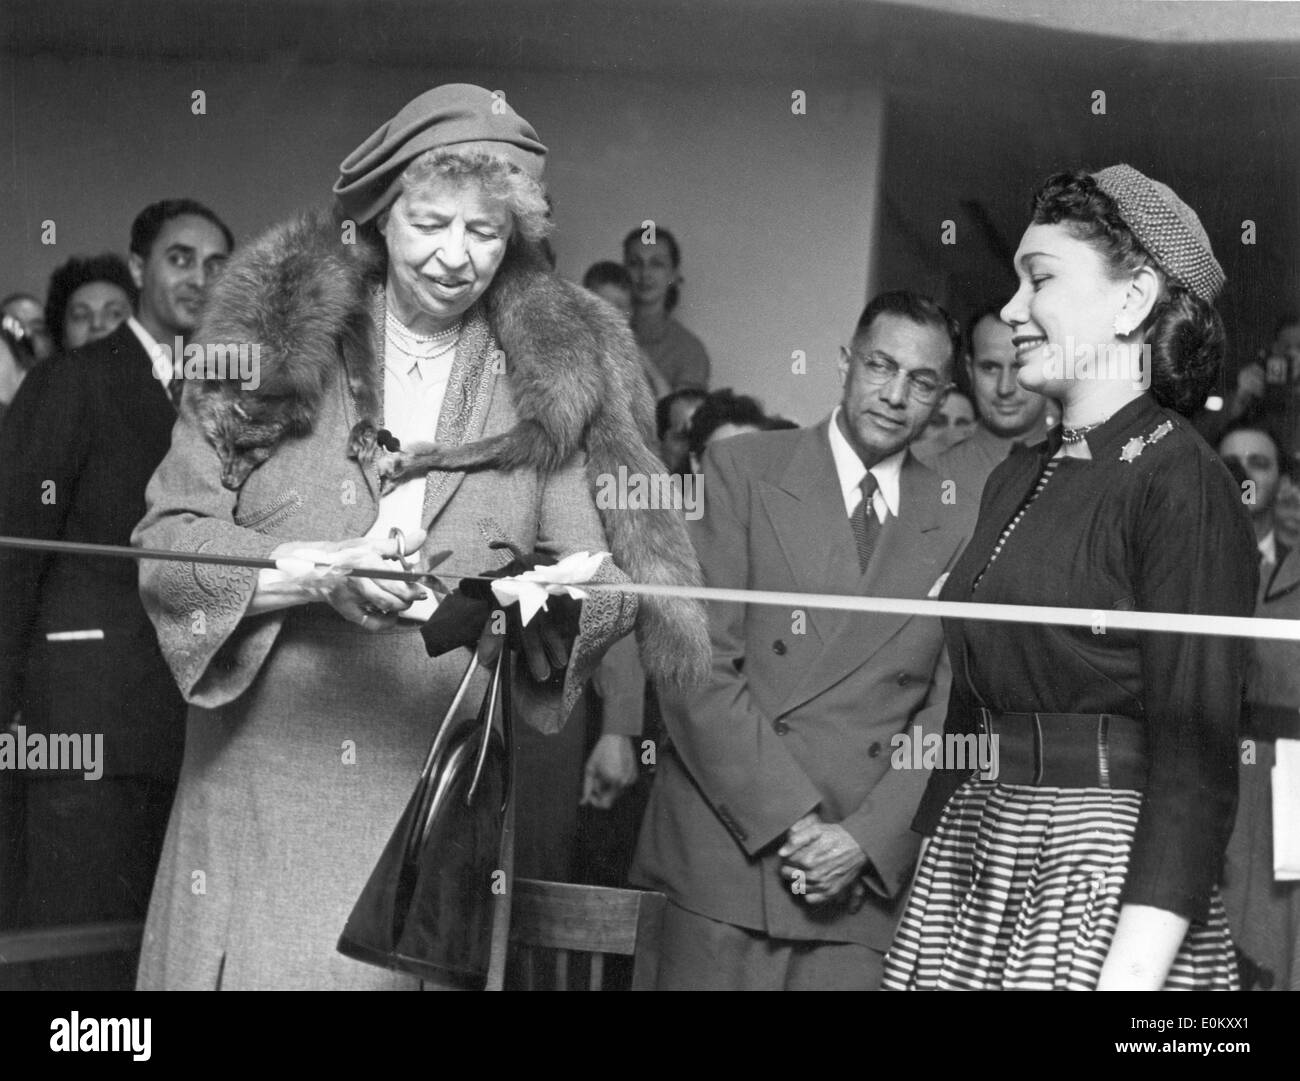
(564, 918)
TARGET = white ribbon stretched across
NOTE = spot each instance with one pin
(571, 575)
(1103, 619)
(312, 569)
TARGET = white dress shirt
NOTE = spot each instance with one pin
(1268, 547)
(851, 472)
(412, 402)
(162, 372)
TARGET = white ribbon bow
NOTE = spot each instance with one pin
(532, 587)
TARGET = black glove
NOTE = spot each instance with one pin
(464, 616)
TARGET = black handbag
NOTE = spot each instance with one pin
(443, 881)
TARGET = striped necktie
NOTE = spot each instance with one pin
(866, 527)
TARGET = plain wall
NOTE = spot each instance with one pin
(775, 212)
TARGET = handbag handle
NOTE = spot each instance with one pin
(440, 738)
(501, 675)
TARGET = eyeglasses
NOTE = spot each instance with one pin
(923, 387)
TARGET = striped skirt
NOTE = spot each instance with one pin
(1020, 890)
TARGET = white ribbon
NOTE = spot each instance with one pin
(532, 587)
(1099, 620)
(312, 569)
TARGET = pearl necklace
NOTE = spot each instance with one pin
(421, 352)
(399, 331)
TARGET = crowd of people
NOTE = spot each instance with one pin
(743, 759)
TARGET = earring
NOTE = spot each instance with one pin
(1122, 329)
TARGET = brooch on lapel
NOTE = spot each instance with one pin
(1138, 443)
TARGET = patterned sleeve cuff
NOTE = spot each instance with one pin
(198, 609)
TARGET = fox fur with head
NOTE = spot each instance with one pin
(573, 367)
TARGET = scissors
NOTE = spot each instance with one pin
(404, 558)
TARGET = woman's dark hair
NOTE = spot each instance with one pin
(721, 407)
(1185, 333)
(77, 272)
(779, 424)
(607, 273)
(664, 407)
(673, 295)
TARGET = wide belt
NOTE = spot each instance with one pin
(1068, 750)
(1260, 721)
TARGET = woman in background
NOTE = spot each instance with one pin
(613, 284)
(88, 299)
(654, 260)
(1092, 860)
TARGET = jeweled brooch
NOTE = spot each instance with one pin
(1135, 446)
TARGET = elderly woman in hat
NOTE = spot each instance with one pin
(1092, 858)
(418, 314)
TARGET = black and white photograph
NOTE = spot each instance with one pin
(650, 495)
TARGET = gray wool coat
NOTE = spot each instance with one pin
(306, 734)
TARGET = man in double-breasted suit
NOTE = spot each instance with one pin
(78, 656)
(778, 827)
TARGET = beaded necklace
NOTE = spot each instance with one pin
(418, 347)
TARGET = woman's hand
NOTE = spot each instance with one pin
(1143, 950)
(373, 603)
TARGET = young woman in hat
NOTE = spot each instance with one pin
(421, 307)
(1093, 859)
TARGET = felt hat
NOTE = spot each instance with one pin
(457, 115)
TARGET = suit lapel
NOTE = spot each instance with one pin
(806, 511)
(133, 361)
(1286, 577)
(910, 554)
(464, 407)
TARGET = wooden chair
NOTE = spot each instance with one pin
(595, 920)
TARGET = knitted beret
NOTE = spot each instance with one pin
(455, 115)
(1166, 227)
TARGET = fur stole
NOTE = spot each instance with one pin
(574, 371)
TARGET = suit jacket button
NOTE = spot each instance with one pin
(903, 679)
(874, 750)
(778, 647)
(781, 728)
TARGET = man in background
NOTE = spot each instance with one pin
(78, 656)
(1009, 415)
(777, 826)
(1264, 909)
